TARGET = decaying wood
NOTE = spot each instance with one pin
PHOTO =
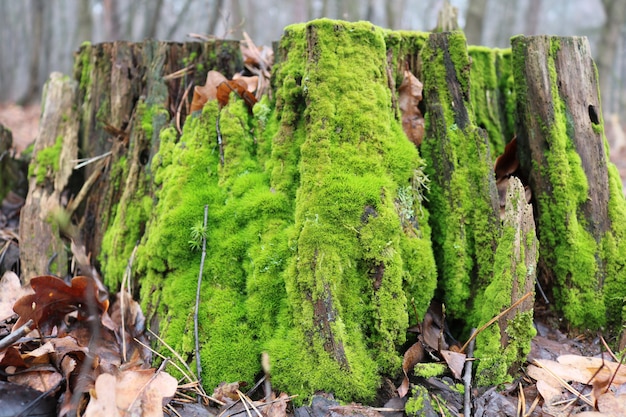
(40, 238)
(519, 216)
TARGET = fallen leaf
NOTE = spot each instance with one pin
(226, 393)
(413, 356)
(409, 97)
(251, 82)
(10, 291)
(208, 91)
(237, 86)
(131, 393)
(277, 407)
(455, 361)
(507, 163)
(53, 300)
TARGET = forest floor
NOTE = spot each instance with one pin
(533, 392)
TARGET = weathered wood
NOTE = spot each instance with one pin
(563, 153)
(54, 155)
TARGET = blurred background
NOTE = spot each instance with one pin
(40, 36)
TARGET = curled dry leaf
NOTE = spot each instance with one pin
(217, 87)
(53, 300)
(251, 82)
(412, 356)
(455, 361)
(226, 393)
(207, 92)
(240, 87)
(131, 393)
(410, 95)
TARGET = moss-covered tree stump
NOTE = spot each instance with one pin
(326, 225)
(579, 201)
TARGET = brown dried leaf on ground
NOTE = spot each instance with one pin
(53, 300)
(226, 393)
(410, 95)
(277, 406)
(413, 356)
(131, 393)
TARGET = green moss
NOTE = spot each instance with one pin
(427, 370)
(352, 161)
(492, 96)
(46, 162)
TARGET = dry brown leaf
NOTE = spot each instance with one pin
(611, 404)
(226, 393)
(53, 300)
(413, 356)
(455, 361)
(41, 380)
(131, 393)
(237, 86)
(409, 97)
(251, 82)
(507, 163)
(208, 91)
(278, 407)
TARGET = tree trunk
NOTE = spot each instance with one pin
(474, 21)
(320, 208)
(564, 155)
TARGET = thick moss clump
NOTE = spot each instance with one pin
(356, 261)
(316, 237)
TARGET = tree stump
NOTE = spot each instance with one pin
(579, 201)
(319, 207)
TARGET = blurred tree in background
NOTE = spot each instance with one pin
(40, 36)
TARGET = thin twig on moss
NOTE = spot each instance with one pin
(195, 313)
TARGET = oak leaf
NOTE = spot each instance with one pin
(53, 300)
(207, 92)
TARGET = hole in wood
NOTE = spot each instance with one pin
(593, 114)
(144, 157)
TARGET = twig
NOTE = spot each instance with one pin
(179, 74)
(73, 205)
(183, 100)
(467, 380)
(127, 274)
(15, 335)
(608, 349)
(493, 320)
(220, 143)
(176, 354)
(87, 161)
(195, 313)
(243, 401)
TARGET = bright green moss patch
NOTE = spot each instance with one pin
(492, 96)
(46, 161)
(427, 370)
